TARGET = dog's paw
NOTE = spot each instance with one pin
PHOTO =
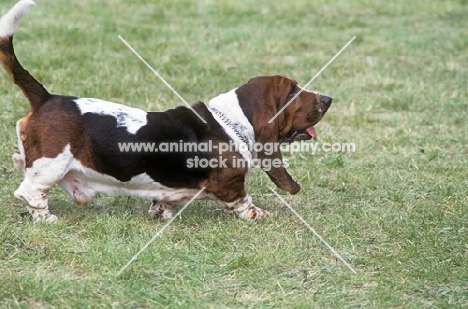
(49, 218)
(160, 211)
(253, 213)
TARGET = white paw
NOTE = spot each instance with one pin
(253, 213)
(48, 218)
(160, 211)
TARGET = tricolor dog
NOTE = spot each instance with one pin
(74, 142)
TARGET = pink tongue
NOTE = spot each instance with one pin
(311, 132)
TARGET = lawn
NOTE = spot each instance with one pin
(395, 208)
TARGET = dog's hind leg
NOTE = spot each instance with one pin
(76, 189)
(159, 210)
(35, 195)
(18, 161)
(39, 179)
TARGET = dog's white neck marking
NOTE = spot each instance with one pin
(236, 124)
(228, 104)
(130, 118)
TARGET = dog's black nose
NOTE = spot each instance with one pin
(326, 100)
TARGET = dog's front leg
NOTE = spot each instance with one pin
(228, 186)
(244, 208)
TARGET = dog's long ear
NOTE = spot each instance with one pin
(261, 99)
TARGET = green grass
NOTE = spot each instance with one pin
(396, 209)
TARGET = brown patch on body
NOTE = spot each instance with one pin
(47, 131)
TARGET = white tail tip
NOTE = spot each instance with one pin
(10, 20)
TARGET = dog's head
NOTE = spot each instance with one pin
(293, 110)
(281, 111)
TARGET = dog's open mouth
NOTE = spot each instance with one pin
(301, 135)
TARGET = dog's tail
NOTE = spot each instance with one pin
(32, 89)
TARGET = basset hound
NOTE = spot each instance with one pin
(77, 142)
